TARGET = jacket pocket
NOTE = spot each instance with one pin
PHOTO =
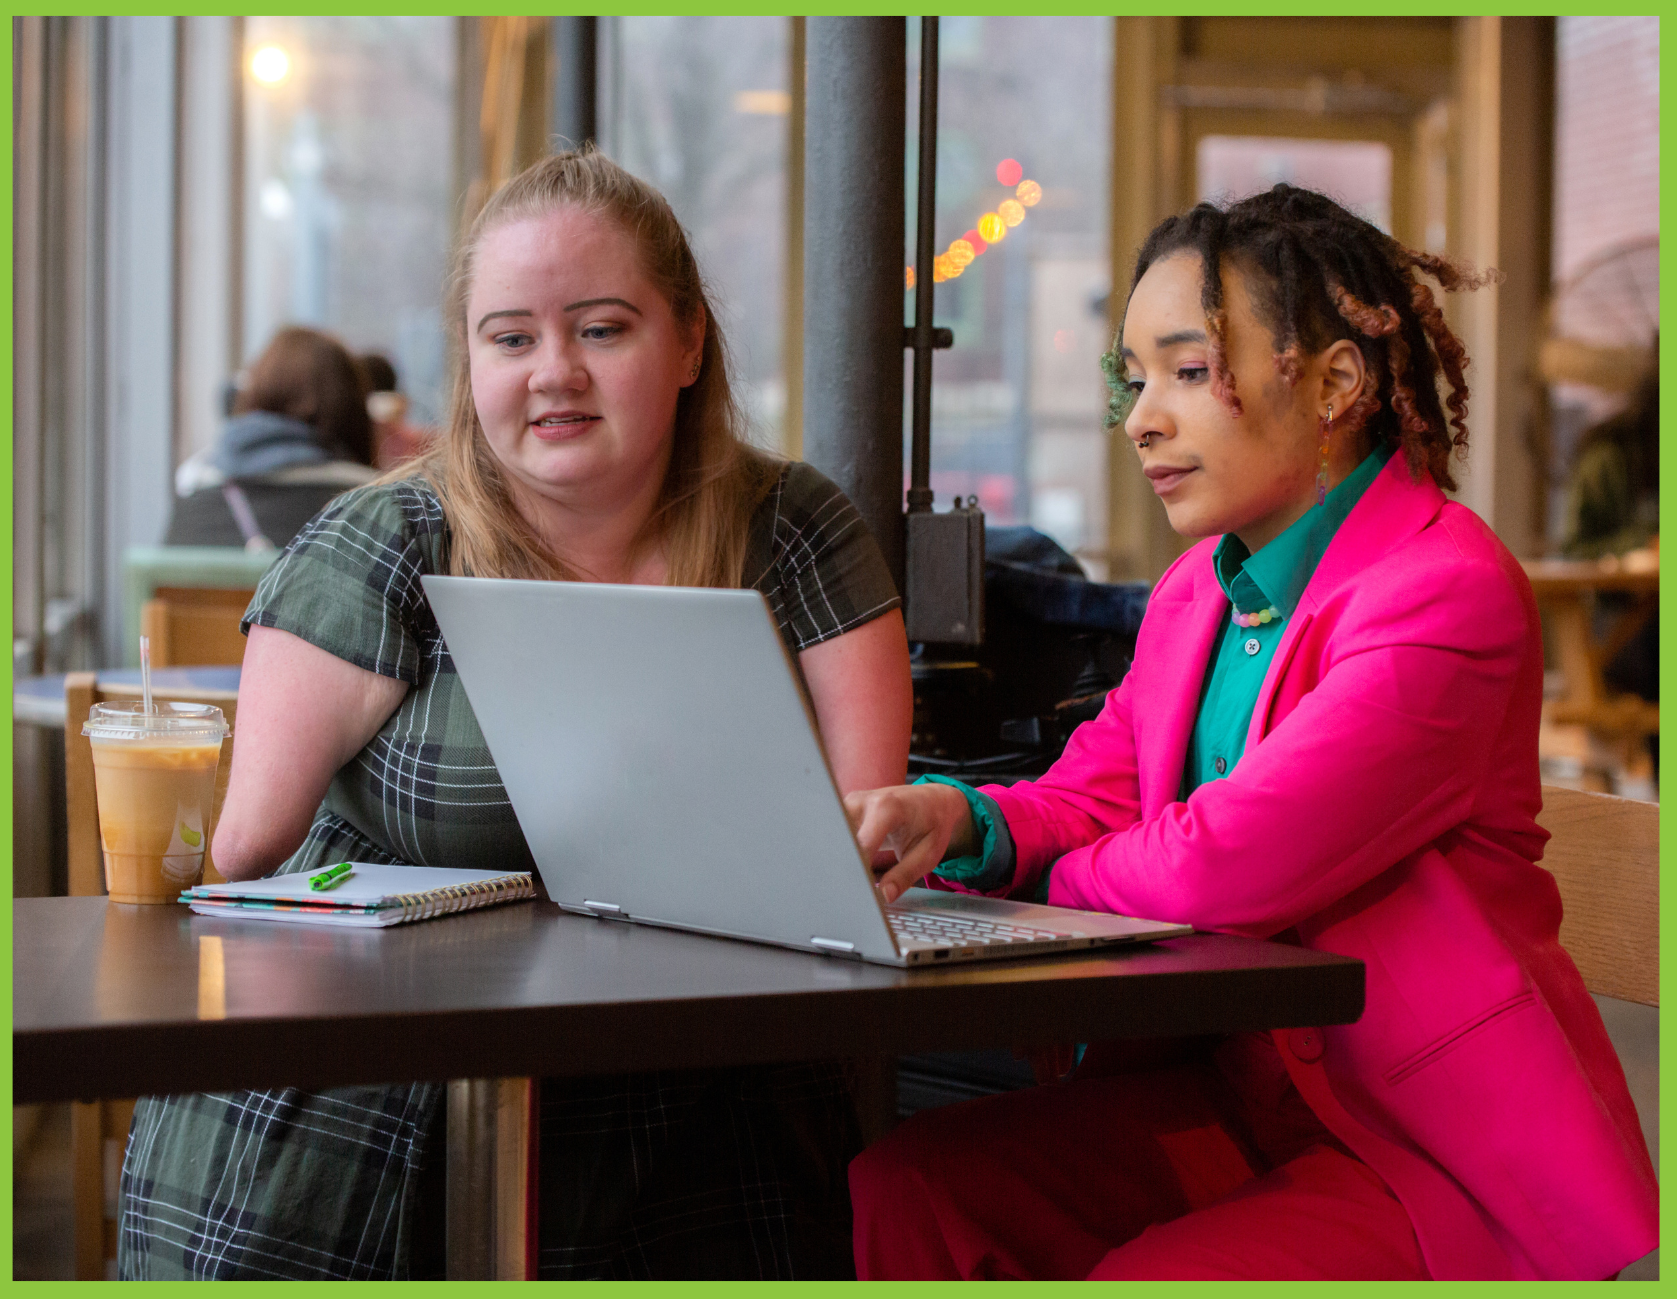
(1441, 1047)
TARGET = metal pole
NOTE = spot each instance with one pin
(792, 323)
(920, 491)
(576, 45)
(854, 137)
(470, 1221)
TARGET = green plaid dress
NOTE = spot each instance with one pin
(723, 1173)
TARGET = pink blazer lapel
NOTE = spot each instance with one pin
(1181, 648)
(1394, 508)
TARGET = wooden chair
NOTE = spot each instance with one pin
(1605, 855)
(99, 1129)
(195, 626)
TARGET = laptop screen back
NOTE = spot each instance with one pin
(660, 756)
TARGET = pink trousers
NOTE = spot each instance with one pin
(1208, 1171)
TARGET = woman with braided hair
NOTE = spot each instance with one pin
(1328, 737)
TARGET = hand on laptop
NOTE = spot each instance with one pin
(905, 830)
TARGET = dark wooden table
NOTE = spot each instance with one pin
(112, 1001)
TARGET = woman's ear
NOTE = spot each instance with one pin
(694, 354)
(1344, 376)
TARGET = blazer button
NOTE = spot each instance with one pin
(1306, 1043)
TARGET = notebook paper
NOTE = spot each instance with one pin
(371, 895)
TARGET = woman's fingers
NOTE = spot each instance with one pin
(876, 819)
(915, 863)
(907, 820)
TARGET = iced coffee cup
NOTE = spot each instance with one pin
(154, 774)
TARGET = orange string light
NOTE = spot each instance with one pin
(992, 227)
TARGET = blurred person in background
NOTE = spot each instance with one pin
(298, 436)
(394, 439)
(1613, 494)
(1613, 508)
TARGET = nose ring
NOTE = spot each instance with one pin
(1144, 441)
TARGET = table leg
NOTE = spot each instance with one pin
(1569, 620)
(873, 1086)
(491, 1179)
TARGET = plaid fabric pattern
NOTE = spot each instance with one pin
(274, 1184)
(815, 561)
(726, 1173)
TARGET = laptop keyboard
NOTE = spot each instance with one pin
(949, 930)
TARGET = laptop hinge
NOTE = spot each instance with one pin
(833, 945)
(603, 908)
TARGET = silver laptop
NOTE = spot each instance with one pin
(665, 768)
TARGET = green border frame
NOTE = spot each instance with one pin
(1668, 475)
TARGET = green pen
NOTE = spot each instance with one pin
(330, 879)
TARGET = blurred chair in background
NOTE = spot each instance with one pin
(149, 572)
(195, 626)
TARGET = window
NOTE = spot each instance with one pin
(1606, 242)
(1017, 403)
(699, 107)
(1357, 173)
(348, 187)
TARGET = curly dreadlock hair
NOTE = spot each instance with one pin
(1318, 274)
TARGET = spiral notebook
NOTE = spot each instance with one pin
(370, 895)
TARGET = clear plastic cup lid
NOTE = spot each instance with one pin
(127, 719)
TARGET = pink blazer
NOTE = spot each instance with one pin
(1384, 809)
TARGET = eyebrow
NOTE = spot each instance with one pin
(604, 302)
(495, 315)
(574, 306)
(1169, 340)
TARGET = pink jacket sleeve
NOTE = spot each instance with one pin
(1380, 758)
(1092, 789)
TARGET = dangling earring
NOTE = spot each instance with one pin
(694, 372)
(1324, 430)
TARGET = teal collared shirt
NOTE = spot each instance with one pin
(1272, 579)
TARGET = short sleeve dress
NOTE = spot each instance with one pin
(727, 1173)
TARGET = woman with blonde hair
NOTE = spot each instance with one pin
(593, 437)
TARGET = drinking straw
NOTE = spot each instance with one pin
(145, 671)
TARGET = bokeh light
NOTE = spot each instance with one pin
(991, 228)
(270, 65)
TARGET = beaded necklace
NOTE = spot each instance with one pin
(1256, 619)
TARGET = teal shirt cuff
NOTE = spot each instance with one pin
(992, 868)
